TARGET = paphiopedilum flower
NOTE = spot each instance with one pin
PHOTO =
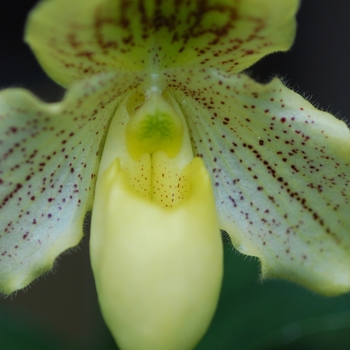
(162, 138)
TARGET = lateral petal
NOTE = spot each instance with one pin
(281, 170)
(49, 157)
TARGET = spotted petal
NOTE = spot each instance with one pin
(49, 156)
(281, 170)
(73, 39)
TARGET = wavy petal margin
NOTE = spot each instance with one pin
(74, 39)
(49, 158)
(281, 171)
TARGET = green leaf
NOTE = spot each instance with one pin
(22, 330)
(274, 314)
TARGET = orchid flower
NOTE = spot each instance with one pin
(166, 142)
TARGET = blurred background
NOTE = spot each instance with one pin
(60, 310)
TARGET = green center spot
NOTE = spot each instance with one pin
(154, 127)
(157, 127)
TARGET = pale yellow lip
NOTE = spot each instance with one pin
(156, 250)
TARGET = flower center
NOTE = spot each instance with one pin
(155, 126)
(149, 137)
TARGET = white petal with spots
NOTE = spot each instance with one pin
(281, 171)
(49, 157)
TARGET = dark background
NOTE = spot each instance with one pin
(60, 310)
